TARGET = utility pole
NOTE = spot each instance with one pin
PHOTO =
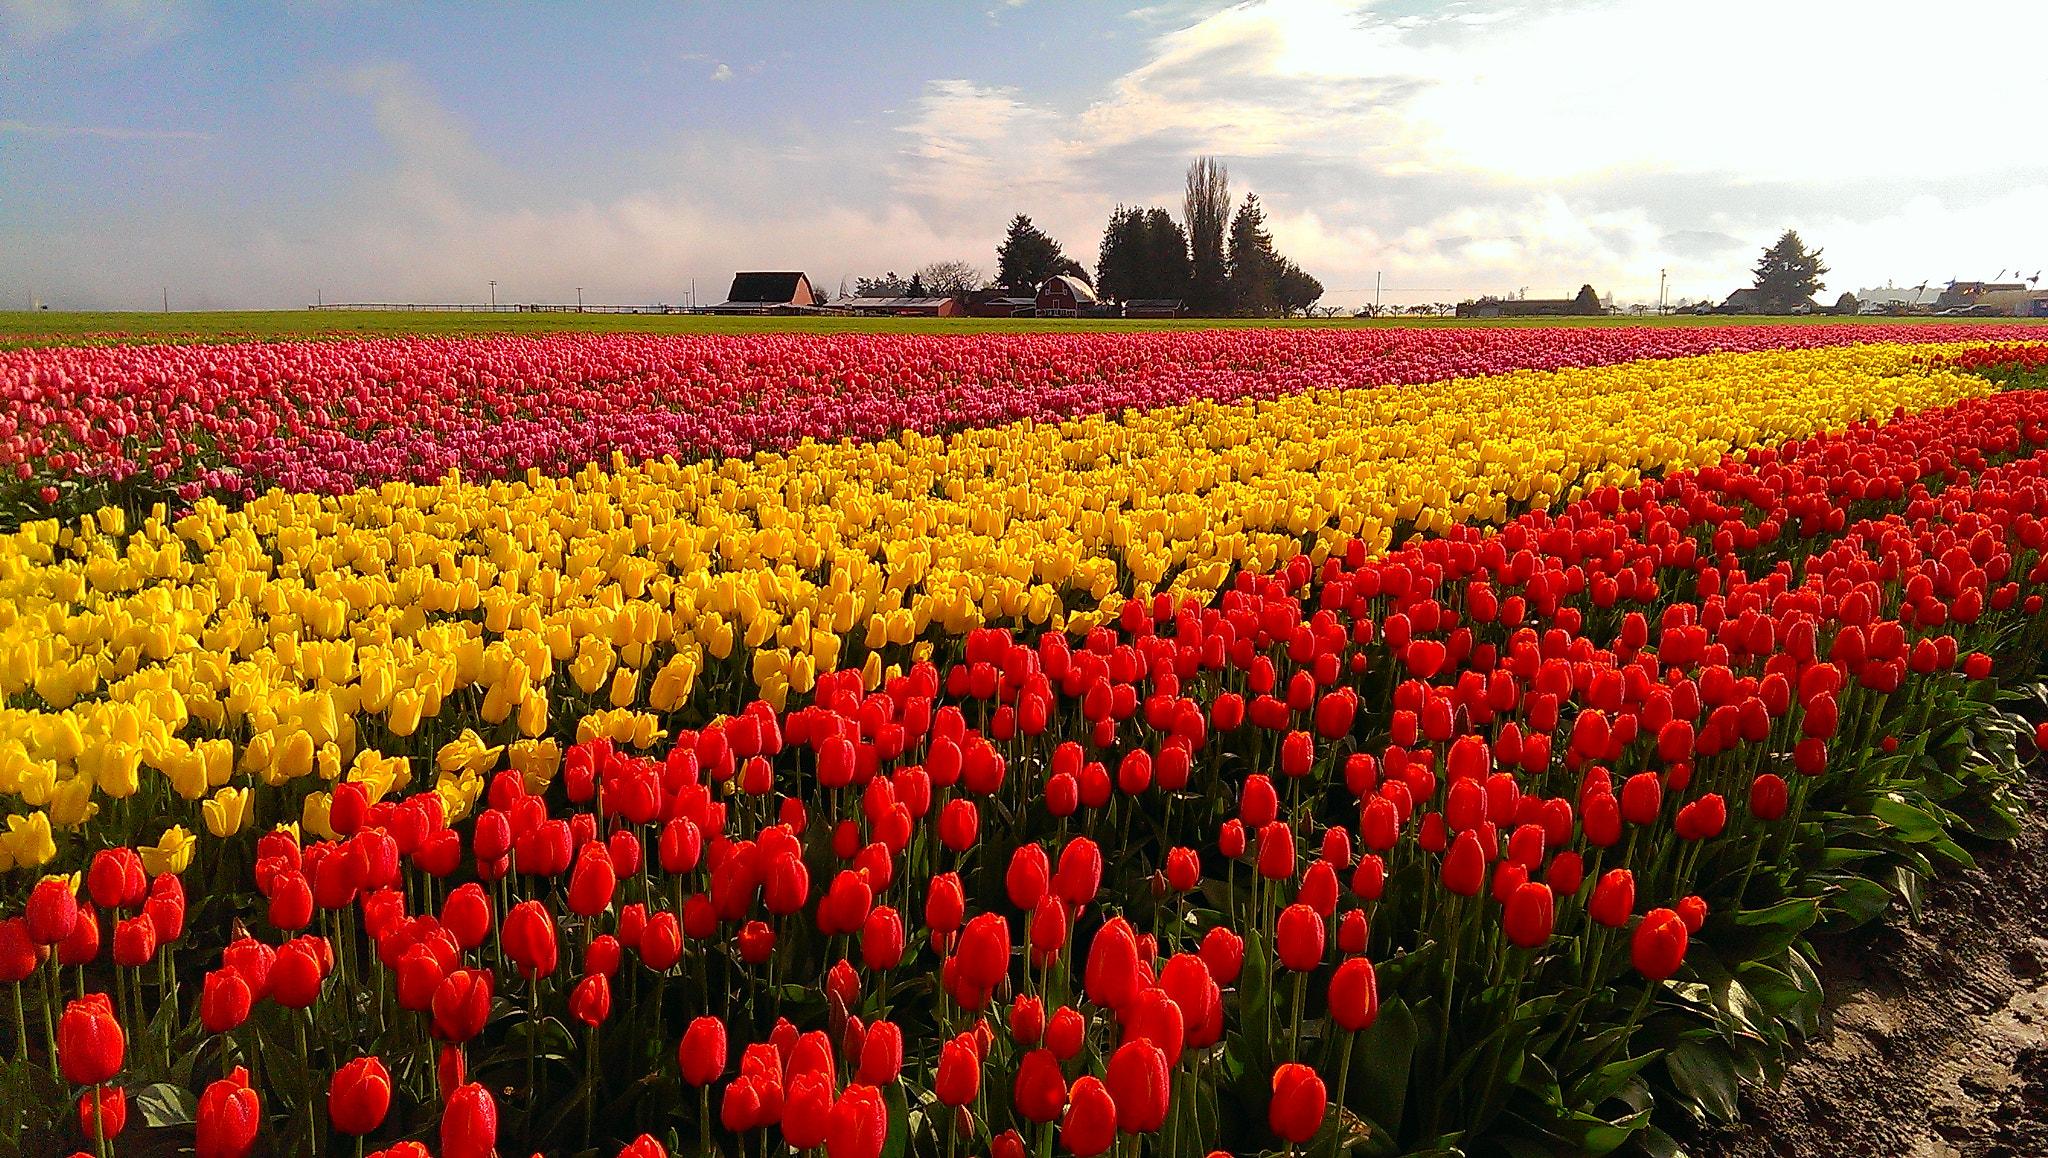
(167, 299)
(494, 293)
(579, 299)
(1376, 293)
(1660, 290)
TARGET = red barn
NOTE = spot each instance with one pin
(1064, 296)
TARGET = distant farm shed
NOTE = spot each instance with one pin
(1155, 308)
(1000, 303)
(904, 307)
(768, 293)
(1586, 304)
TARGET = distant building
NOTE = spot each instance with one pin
(1586, 304)
(1155, 308)
(2001, 299)
(1000, 303)
(1750, 300)
(1889, 295)
(903, 307)
(768, 293)
(1064, 296)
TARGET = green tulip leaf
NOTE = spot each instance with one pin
(163, 1104)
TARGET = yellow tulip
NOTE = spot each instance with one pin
(71, 802)
(313, 815)
(172, 853)
(467, 753)
(29, 842)
(226, 812)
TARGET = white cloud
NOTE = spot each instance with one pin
(1453, 149)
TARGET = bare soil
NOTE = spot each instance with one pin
(1934, 1042)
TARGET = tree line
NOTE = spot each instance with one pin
(1217, 260)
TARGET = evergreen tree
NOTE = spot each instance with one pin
(1120, 271)
(1253, 274)
(1144, 255)
(1027, 256)
(1787, 275)
(1205, 208)
(1295, 289)
(1169, 272)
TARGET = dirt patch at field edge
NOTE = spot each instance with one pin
(1934, 1042)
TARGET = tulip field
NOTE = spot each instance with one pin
(1308, 742)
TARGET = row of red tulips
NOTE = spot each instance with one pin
(1566, 789)
(333, 416)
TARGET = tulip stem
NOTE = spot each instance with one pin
(306, 1057)
(20, 1025)
(1294, 1042)
(1337, 1102)
(49, 1023)
(99, 1121)
(704, 1120)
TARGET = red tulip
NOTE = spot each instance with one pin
(1066, 1032)
(1614, 898)
(1223, 952)
(134, 942)
(1529, 915)
(1299, 1102)
(984, 953)
(959, 823)
(1080, 873)
(702, 1053)
(116, 879)
(1299, 938)
(591, 1001)
(165, 908)
(462, 1004)
(1090, 1125)
(295, 978)
(1355, 994)
(252, 959)
(90, 1044)
(645, 1146)
(103, 1112)
(859, 1126)
(959, 1075)
(224, 1001)
(291, 902)
(229, 1116)
(881, 1055)
(1029, 876)
(807, 1110)
(1111, 976)
(19, 953)
(1040, 1090)
(53, 912)
(469, 1124)
(450, 1071)
(1768, 796)
(467, 914)
(1027, 1020)
(1658, 947)
(1464, 871)
(359, 1096)
(1139, 1082)
(661, 942)
(529, 938)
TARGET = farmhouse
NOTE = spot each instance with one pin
(768, 293)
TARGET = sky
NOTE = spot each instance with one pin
(272, 155)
